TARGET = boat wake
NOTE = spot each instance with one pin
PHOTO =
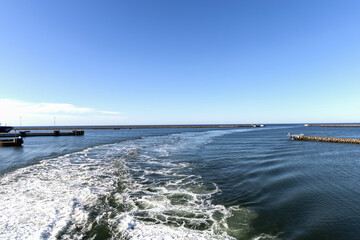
(138, 189)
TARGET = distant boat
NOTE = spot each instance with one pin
(5, 129)
(11, 142)
(258, 125)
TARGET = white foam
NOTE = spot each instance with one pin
(175, 208)
(39, 201)
(162, 232)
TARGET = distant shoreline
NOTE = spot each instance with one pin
(118, 127)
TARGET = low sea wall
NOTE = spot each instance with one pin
(332, 125)
(138, 127)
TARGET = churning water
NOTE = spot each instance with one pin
(182, 184)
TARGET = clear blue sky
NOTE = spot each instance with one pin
(182, 61)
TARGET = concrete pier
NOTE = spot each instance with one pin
(42, 134)
(301, 137)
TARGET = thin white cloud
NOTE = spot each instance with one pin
(57, 108)
(110, 112)
(13, 111)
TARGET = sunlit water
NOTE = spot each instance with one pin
(182, 184)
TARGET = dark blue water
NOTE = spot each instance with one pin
(182, 184)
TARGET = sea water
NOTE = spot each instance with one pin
(235, 183)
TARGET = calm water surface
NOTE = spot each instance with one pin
(182, 184)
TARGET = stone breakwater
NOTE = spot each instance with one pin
(326, 139)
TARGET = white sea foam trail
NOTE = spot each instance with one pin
(43, 200)
(138, 189)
